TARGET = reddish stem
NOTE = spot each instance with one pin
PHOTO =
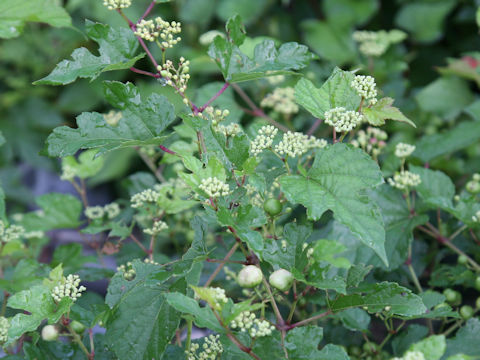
(314, 127)
(145, 14)
(138, 71)
(214, 97)
(167, 150)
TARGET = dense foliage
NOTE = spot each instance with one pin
(226, 192)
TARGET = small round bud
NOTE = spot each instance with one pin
(77, 326)
(250, 276)
(462, 260)
(466, 312)
(477, 283)
(477, 303)
(272, 207)
(281, 279)
(450, 295)
(49, 333)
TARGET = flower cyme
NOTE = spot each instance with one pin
(4, 326)
(263, 140)
(212, 348)
(248, 322)
(403, 150)
(366, 87)
(405, 179)
(143, 197)
(158, 226)
(343, 120)
(214, 187)
(282, 100)
(10, 233)
(177, 77)
(117, 4)
(68, 287)
(165, 31)
(94, 212)
(293, 144)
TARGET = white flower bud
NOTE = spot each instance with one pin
(49, 333)
(250, 276)
(281, 279)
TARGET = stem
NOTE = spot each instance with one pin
(143, 72)
(152, 245)
(167, 150)
(201, 143)
(150, 165)
(456, 233)
(412, 270)
(214, 97)
(79, 341)
(342, 137)
(334, 136)
(134, 238)
(221, 265)
(145, 14)
(92, 344)
(306, 321)
(314, 127)
(189, 334)
(292, 310)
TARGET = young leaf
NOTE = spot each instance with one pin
(14, 14)
(117, 51)
(383, 110)
(436, 188)
(302, 342)
(142, 122)
(466, 340)
(433, 347)
(335, 92)
(353, 172)
(87, 164)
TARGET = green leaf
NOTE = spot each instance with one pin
(333, 352)
(226, 8)
(424, 19)
(466, 340)
(401, 300)
(350, 12)
(433, 347)
(142, 123)
(267, 59)
(436, 188)
(87, 164)
(117, 52)
(302, 342)
(39, 303)
(353, 171)
(383, 110)
(58, 211)
(407, 337)
(463, 135)
(145, 332)
(327, 251)
(335, 92)
(14, 14)
(235, 30)
(355, 319)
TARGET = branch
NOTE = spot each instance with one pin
(214, 97)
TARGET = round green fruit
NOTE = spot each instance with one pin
(281, 279)
(49, 333)
(272, 207)
(477, 303)
(462, 260)
(250, 276)
(450, 295)
(77, 326)
(466, 312)
(477, 283)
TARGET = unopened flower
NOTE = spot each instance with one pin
(217, 295)
(117, 4)
(127, 270)
(282, 100)
(405, 179)
(50, 333)
(228, 130)
(94, 212)
(69, 287)
(247, 322)
(281, 279)
(214, 187)
(112, 210)
(372, 141)
(476, 217)
(214, 115)
(403, 150)
(158, 226)
(160, 29)
(36, 234)
(176, 76)
(343, 120)
(143, 197)
(10, 233)
(250, 276)
(473, 186)
(4, 326)
(263, 140)
(366, 87)
(210, 350)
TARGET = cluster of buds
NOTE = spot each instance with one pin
(211, 349)
(146, 196)
(217, 296)
(68, 287)
(214, 187)
(232, 129)
(411, 355)
(127, 270)
(4, 326)
(216, 116)
(343, 120)
(372, 141)
(403, 150)
(473, 186)
(296, 144)
(10, 233)
(177, 77)
(151, 262)
(263, 140)
(246, 321)
(282, 100)
(404, 179)
(117, 4)
(275, 79)
(165, 31)
(157, 228)
(98, 212)
(366, 87)
(375, 43)
(36, 234)
(309, 251)
(112, 117)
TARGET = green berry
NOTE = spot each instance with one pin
(477, 303)
(49, 333)
(272, 207)
(466, 312)
(441, 305)
(250, 276)
(477, 283)
(370, 347)
(281, 279)
(77, 326)
(462, 260)
(355, 350)
(450, 295)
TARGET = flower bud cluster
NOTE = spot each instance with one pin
(263, 140)
(275, 79)
(218, 296)
(112, 117)
(214, 187)
(296, 144)
(232, 129)
(309, 251)
(214, 115)
(36, 234)
(177, 77)
(117, 4)
(404, 179)
(211, 349)
(4, 326)
(146, 196)
(152, 30)
(366, 87)
(127, 270)
(372, 141)
(375, 43)
(69, 287)
(98, 212)
(343, 120)
(248, 322)
(411, 355)
(11, 233)
(473, 186)
(158, 227)
(403, 150)
(476, 217)
(282, 100)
